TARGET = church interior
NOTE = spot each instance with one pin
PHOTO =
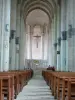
(37, 49)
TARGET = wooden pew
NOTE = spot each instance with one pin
(59, 82)
(18, 77)
(15, 78)
(68, 88)
(50, 79)
(6, 87)
(56, 82)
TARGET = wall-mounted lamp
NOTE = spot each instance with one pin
(64, 35)
(17, 40)
(58, 52)
(12, 34)
(70, 31)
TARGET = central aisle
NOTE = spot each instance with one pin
(36, 89)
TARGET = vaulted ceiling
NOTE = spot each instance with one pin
(48, 6)
(37, 17)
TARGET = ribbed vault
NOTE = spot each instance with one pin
(48, 6)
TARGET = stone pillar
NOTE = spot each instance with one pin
(63, 35)
(26, 56)
(13, 34)
(6, 5)
(31, 33)
(42, 28)
(18, 31)
(58, 39)
(73, 20)
(42, 46)
(1, 35)
(53, 36)
(70, 43)
(46, 42)
(50, 46)
(28, 42)
(55, 40)
(22, 45)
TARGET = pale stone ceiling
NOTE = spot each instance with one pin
(37, 17)
(48, 6)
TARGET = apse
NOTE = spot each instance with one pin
(37, 23)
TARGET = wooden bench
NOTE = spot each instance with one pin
(67, 88)
(6, 87)
(18, 78)
(56, 82)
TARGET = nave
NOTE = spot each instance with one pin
(36, 89)
(35, 34)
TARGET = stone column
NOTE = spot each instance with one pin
(70, 43)
(73, 19)
(43, 32)
(58, 39)
(53, 36)
(28, 42)
(22, 45)
(31, 32)
(18, 31)
(1, 35)
(26, 38)
(13, 34)
(45, 42)
(63, 35)
(55, 40)
(50, 46)
(52, 40)
(5, 34)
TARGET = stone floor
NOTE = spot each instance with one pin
(36, 90)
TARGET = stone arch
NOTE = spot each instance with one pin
(47, 6)
(34, 8)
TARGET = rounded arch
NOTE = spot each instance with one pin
(46, 5)
(39, 16)
(34, 8)
(40, 2)
(51, 3)
(37, 3)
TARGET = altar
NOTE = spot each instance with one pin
(36, 64)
